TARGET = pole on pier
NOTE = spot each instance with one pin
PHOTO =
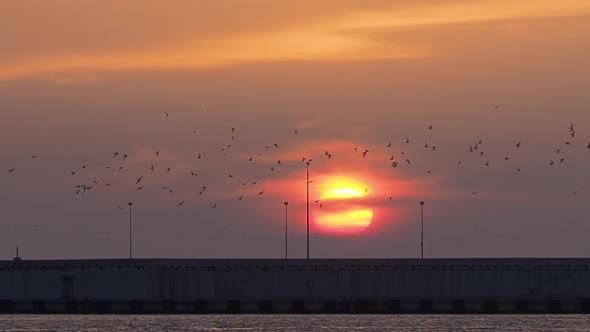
(286, 227)
(421, 230)
(307, 205)
(130, 230)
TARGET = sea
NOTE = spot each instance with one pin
(365, 323)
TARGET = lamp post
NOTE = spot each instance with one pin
(286, 227)
(421, 230)
(307, 205)
(130, 230)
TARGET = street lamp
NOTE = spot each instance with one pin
(286, 227)
(307, 205)
(421, 230)
(130, 230)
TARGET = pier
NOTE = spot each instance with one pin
(201, 286)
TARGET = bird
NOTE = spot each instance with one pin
(139, 180)
(214, 205)
(407, 141)
(120, 168)
(152, 168)
(518, 144)
(167, 114)
(496, 106)
(179, 204)
(276, 145)
(365, 153)
(120, 208)
(168, 169)
(240, 198)
(34, 156)
(124, 156)
(230, 176)
(487, 164)
(115, 154)
(561, 160)
(108, 185)
(11, 170)
(296, 131)
(140, 188)
(433, 148)
(157, 153)
(551, 162)
(73, 173)
(250, 159)
(389, 144)
(193, 173)
(233, 129)
(408, 161)
(429, 127)
(260, 193)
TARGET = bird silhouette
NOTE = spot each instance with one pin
(180, 204)
(139, 180)
(11, 170)
(260, 193)
(365, 153)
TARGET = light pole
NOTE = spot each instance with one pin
(130, 230)
(307, 205)
(286, 227)
(421, 230)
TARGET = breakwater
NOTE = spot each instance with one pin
(184, 286)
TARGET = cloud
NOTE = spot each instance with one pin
(330, 32)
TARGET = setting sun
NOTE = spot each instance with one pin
(341, 211)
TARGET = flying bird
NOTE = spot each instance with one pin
(139, 180)
(180, 204)
(260, 193)
(11, 170)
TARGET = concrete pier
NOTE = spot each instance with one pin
(199, 286)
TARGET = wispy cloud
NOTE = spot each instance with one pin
(341, 37)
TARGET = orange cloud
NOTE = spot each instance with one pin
(344, 36)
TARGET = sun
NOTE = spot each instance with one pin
(342, 207)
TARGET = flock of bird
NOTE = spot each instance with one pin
(118, 160)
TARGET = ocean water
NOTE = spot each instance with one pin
(365, 323)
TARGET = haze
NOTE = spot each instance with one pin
(81, 80)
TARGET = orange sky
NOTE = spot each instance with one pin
(80, 80)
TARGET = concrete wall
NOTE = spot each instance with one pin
(318, 285)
